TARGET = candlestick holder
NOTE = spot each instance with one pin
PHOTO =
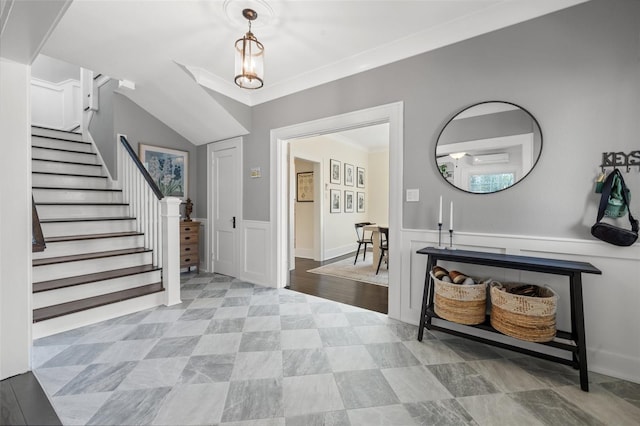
(440, 246)
(450, 240)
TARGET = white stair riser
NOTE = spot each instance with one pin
(82, 267)
(68, 294)
(55, 167)
(75, 157)
(41, 195)
(60, 144)
(63, 229)
(92, 316)
(66, 211)
(70, 248)
(35, 131)
(58, 181)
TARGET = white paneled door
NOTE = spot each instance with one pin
(226, 206)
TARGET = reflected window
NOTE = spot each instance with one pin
(482, 184)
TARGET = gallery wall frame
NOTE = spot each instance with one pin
(360, 202)
(304, 187)
(335, 201)
(348, 201)
(335, 169)
(349, 174)
(360, 177)
(169, 169)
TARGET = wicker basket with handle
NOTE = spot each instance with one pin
(463, 304)
(524, 317)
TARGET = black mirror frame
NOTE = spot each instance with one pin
(535, 163)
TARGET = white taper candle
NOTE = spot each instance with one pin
(451, 217)
(440, 213)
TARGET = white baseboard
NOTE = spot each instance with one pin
(305, 253)
(338, 251)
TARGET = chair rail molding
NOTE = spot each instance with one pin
(610, 299)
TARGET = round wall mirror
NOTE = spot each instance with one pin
(488, 147)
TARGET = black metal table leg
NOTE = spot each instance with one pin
(425, 298)
(577, 328)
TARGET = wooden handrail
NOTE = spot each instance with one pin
(37, 239)
(143, 170)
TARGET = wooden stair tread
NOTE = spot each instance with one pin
(68, 174)
(66, 162)
(64, 188)
(81, 203)
(64, 150)
(91, 278)
(92, 236)
(67, 308)
(88, 256)
(85, 219)
(34, 126)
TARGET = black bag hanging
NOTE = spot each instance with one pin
(610, 233)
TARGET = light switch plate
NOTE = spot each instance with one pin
(413, 195)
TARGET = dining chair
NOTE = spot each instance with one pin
(384, 247)
(362, 239)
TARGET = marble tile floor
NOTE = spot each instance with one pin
(237, 354)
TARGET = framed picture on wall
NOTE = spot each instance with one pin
(169, 169)
(304, 191)
(360, 177)
(334, 200)
(334, 171)
(360, 202)
(348, 174)
(348, 201)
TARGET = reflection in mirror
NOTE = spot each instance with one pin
(488, 147)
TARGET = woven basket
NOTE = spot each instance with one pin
(464, 304)
(526, 318)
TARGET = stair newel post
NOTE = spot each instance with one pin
(170, 212)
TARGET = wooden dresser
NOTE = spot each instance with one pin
(189, 243)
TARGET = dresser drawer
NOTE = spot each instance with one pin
(189, 260)
(188, 239)
(188, 249)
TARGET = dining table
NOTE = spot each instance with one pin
(375, 230)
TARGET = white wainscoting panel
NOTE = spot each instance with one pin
(55, 105)
(257, 256)
(610, 300)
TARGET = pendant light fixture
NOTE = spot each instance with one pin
(249, 57)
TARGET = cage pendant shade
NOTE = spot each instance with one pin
(249, 62)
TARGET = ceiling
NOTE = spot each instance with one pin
(166, 47)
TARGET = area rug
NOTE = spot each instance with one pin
(361, 271)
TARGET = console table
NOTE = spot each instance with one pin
(572, 341)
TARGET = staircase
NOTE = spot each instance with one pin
(95, 265)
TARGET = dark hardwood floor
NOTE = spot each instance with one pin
(355, 293)
(23, 402)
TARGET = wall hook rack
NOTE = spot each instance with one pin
(620, 159)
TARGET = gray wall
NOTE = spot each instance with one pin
(142, 127)
(101, 126)
(577, 71)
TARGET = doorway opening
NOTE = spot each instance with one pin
(324, 169)
(281, 138)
